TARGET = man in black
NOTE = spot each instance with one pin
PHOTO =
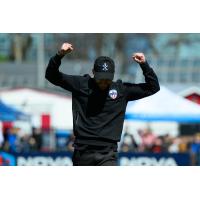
(99, 105)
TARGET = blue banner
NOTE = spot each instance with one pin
(154, 159)
(44, 159)
(124, 159)
(7, 159)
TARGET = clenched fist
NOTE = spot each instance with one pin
(139, 58)
(65, 49)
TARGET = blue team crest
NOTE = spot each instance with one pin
(113, 94)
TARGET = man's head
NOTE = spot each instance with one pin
(104, 69)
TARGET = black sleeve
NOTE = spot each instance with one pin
(53, 75)
(141, 90)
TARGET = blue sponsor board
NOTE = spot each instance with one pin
(7, 159)
(124, 159)
(44, 159)
(154, 159)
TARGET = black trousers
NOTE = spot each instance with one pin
(94, 158)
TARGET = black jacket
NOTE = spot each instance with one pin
(98, 116)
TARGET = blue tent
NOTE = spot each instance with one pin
(8, 113)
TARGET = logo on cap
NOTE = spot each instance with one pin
(113, 94)
(105, 67)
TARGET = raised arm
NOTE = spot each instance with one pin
(58, 78)
(141, 90)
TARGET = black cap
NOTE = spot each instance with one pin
(104, 68)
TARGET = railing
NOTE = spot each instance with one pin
(168, 71)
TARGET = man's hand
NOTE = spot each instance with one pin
(65, 49)
(139, 58)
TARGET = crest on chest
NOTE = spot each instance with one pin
(113, 94)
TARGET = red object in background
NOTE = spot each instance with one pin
(1, 161)
(45, 121)
(4, 162)
(194, 97)
(6, 125)
(156, 149)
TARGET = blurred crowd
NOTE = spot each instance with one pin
(39, 140)
(50, 141)
(151, 143)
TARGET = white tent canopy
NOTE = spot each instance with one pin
(36, 103)
(163, 106)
